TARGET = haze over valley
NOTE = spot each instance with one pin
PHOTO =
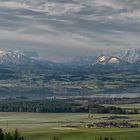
(25, 73)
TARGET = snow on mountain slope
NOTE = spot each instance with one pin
(114, 60)
(106, 59)
(15, 57)
(121, 57)
(131, 56)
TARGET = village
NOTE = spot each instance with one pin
(114, 124)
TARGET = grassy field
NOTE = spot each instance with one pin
(117, 134)
(129, 106)
(67, 126)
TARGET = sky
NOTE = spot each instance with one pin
(62, 29)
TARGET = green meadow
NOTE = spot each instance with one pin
(129, 106)
(66, 126)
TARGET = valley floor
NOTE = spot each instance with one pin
(66, 126)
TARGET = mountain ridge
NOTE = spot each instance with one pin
(17, 57)
(120, 59)
(126, 56)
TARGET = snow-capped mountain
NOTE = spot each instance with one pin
(106, 59)
(130, 56)
(126, 56)
(122, 58)
(16, 57)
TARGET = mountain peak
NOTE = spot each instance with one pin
(16, 57)
(125, 56)
(107, 59)
(130, 56)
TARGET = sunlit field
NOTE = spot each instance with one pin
(66, 126)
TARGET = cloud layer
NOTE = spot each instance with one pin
(60, 29)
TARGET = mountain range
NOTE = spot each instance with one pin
(121, 60)
(126, 58)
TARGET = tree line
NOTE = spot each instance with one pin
(10, 136)
(58, 106)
